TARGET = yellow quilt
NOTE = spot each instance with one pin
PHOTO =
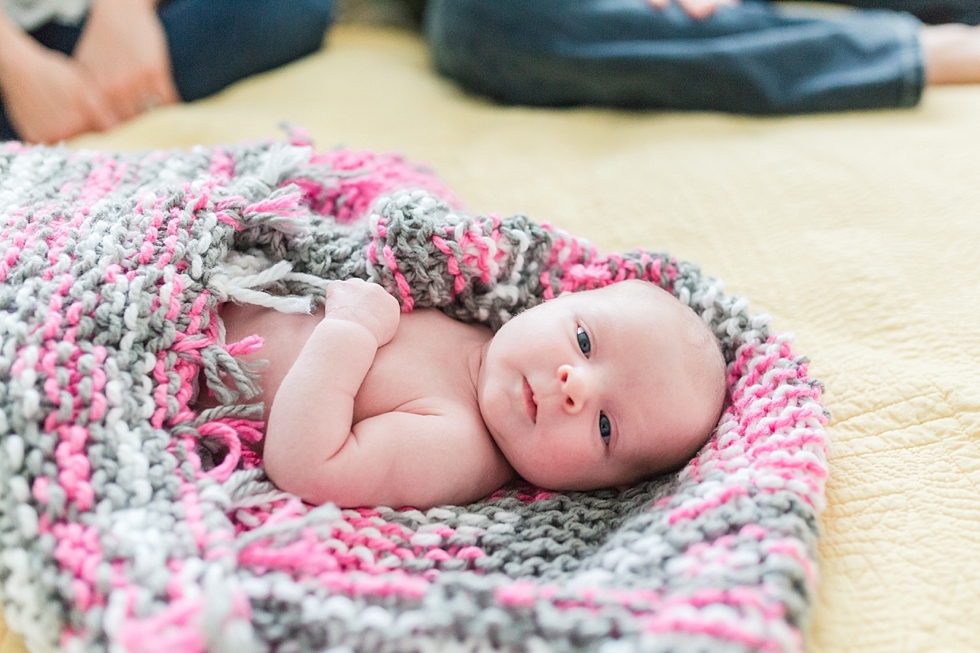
(860, 233)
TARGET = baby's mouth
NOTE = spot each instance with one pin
(529, 404)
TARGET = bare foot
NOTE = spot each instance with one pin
(952, 54)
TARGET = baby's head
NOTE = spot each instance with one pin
(602, 388)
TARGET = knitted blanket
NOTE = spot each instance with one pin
(130, 522)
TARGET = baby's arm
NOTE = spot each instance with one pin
(398, 458)
(312, 411)
(407, 459)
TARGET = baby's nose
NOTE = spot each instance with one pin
(573, 388)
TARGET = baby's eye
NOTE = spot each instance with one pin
(583, 341)
(605, 429)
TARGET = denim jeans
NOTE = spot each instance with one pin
(214, 43)
(751, 58)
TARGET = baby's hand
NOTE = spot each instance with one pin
(366, 304)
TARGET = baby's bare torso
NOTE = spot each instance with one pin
(419, 365)
(419, 371)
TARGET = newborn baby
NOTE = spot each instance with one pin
(367, 406)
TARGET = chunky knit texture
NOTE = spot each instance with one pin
(128, 522)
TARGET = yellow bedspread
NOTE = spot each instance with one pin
(860, 233)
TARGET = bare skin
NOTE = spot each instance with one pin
(120, 68)
(695, 8)
(371, 407)
(48, 96)
(367, 406)
(952, 54)
(124, 48)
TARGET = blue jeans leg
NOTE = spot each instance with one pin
(214, 43)
(751, 58)
(934, 12)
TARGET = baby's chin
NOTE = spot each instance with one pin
(555, 480)
(533, 474)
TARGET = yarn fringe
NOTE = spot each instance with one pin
(131, 522)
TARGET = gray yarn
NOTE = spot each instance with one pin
(598, 571)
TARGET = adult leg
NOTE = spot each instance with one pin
(56, 37)
(753, 57)
(214, 43)
(934, 12)
(950, 42)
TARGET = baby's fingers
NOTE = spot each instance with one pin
(390, 315)
(366, 303)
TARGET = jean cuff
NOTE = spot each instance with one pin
(913, 73)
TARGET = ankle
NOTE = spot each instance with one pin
(951, 54)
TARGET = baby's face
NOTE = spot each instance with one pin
(601, 388)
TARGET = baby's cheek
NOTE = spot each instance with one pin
(552, 465)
